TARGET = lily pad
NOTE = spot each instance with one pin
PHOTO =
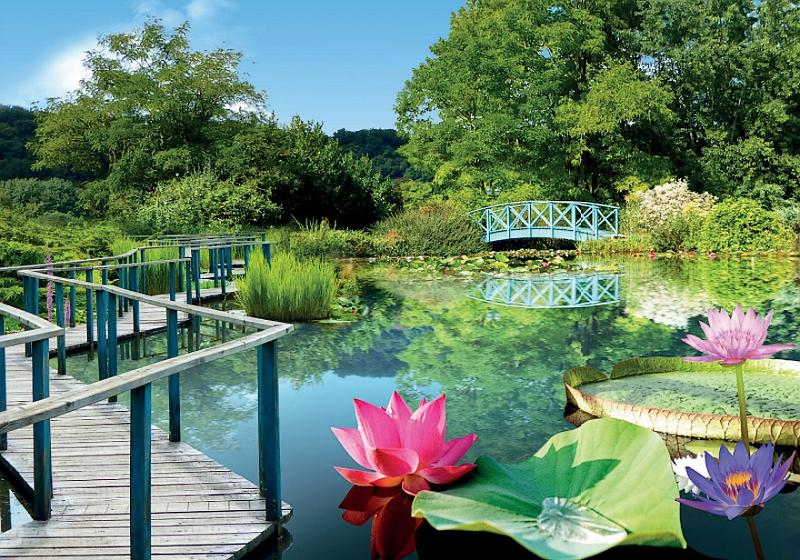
(604, 484)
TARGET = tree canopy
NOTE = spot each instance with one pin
(587, 97)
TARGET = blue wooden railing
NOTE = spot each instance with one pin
(549, 219)
(105, 303)
(545, 291)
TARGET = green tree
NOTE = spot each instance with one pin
(151, 109)
(528, 91)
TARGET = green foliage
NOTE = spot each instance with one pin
(440, 229)
(16, 129)
(743, 225)
(291, 289)
(151, 108)
(201, 201)
(615, 475)
(381, 146)
(323, 240)
(35, 197)
(682, 231)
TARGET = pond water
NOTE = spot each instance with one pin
(498, 354)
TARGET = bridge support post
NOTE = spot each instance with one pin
(42, 473)
(174, 379)
(269, 468)
(60, 320)
(141, 530)
(90, 312)
(72, 310)
(196, 273)
(111, 346)
(267, 249)
(102, 354)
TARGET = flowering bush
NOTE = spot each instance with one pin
(657, 205)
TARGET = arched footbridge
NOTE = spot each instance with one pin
(547, 219)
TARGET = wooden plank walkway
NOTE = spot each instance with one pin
(201, 510)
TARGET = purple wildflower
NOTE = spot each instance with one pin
(739, 484)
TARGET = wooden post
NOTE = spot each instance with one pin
(229, 260)
(61, 343)
(223, 270)
(188, 276)
(269, 468)
(111, 347)
(196, 273)
(213, 255)
(72, 309)
(552, 221)
(3, 388)
(90, 312)
(42, 473)
(135, 288)
(102, 354)
(143, 269)
(266, 248)
(172, 281)
(574, 222)
(595, 225)
(31, 299)
(180, 266)
(246, 257)
(140, 517)
(174, 380)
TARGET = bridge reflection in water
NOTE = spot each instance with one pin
(550, 291)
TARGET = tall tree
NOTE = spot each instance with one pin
(531, 90)
(151, 109)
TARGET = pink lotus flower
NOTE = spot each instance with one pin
(401, 447)
(731, 340)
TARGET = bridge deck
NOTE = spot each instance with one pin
(201, 510)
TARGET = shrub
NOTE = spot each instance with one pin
(33, 197)
(742, 225)
(321, 239)
(439, 229)
(290, 290)
(662, 202)
(680, 231)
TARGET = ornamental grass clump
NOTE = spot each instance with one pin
(290, 289)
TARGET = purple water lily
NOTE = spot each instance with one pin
(739, 484)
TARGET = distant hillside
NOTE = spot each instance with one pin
(380, 145)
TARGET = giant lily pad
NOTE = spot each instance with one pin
(696, 400)
(586, 490)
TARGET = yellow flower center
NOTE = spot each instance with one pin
(735, 481)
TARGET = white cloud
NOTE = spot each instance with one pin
(58, 75)
(202, 9)
(196, 10)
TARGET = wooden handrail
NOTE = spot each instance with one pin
(39, 328)
(52, 407)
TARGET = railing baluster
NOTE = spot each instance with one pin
(42, 473)
(72, 309)
(141, 412)
(269, 468)
(223, 270)
(135, 303)
(102, 354)
(266, 248)
(61, 342)
(90, 313)
(111, 347)
(172, 282)
(188, 275)
(196, 273)
(143, 269)
(214, 255)
(3, 388)
(174, 380)
(246, 257)
(229, 260)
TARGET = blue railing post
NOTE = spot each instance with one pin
(42, 473)
(188, 275)
(90, 311)
(102, 354)
(141, 531)
(246, 257)
(72, 309)
(196, 272)
(595, 225)
(172, 282)
(574, 209)
(134, 278)
(229, 260)
(30, 297)
(552, 219)
(61, 343)
(213, 254)
(174, 379)
(269, 468)
(180, 266)
(616, 221)
(111, 346)
(143, 269)
(3, 388)
(266, 248)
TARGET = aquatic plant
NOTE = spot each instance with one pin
(680, 465)
(155, 276)
(738, 483)
(731, 340)
(290, 289)
(403, 448)
(586, 490)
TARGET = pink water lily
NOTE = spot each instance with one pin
(731, 340)
(401, 447)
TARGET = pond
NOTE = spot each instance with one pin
(498, 352)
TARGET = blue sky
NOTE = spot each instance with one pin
(340, 63)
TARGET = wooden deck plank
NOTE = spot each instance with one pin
(201, 510)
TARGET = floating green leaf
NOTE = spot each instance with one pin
(606, 483)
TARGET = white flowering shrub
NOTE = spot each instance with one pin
(663, 202)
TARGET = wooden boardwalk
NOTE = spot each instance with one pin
(201, 510)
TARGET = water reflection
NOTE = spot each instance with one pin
(549, 291)
(500, 366)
